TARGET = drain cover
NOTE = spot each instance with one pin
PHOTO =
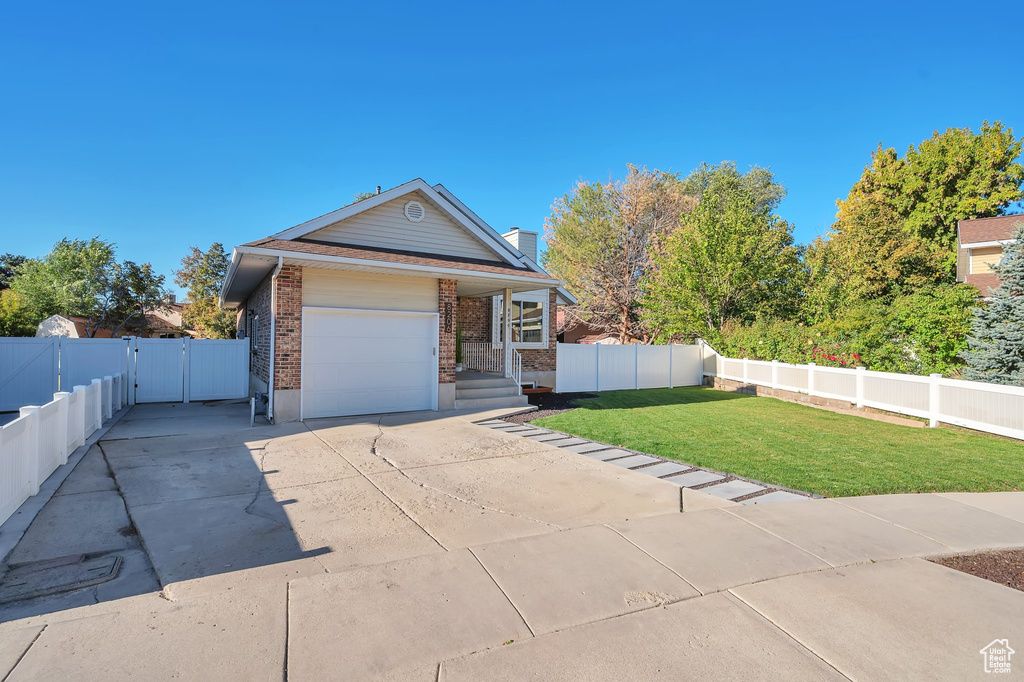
(41, 578)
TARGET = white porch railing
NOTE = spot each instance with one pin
(517, 370)
(484, 357)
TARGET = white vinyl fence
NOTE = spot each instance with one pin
(158, 370)
(43, 436)
(597, 367)
(972, 404)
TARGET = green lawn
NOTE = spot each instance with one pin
(793, 445)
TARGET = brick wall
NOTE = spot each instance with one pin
(259, 304)
(288, 345)
(543, 360)
(447, 307)
(475, 319)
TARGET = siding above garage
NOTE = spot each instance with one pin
(368, 291)
(387, 227)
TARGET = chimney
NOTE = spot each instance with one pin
(378, 189)
(524, 240)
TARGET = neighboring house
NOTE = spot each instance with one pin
(581, 332)
(160, 324)
(356, 312)
(980, 246)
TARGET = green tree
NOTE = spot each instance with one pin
(137, 291)
(732, 257)
(599, 239)
(996, 341)
(201, 275)
(9, 264)
(949, 177)
(15, 318)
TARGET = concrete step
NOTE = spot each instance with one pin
(504, 401)
(488, 382)
(477, 392)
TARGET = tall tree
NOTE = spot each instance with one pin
(996, 341)
(9, 264)
(598, 242)
(949, 177)
(137, 292)
(15, 318)
(732, 257)
(202, 274)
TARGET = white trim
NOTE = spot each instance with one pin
(981, 245)
(391, 265)
(302, 343)
(542, 297)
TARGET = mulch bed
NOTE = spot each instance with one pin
(1005, 567)
(548, 404)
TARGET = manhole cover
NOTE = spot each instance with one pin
(40, 578)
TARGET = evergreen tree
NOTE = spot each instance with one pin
(996, 342)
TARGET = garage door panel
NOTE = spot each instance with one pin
(363, 363)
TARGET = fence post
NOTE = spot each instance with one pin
(108, 397)
(97, 386)
(775, 374)
(63, 399)
(700, 362)
(861, 373)
(80, 409)
(671, 352)
(597, 367)
(185, 368)
(933, 400)
(636, 365)
(810, 377)
(133, 360)
(32, 431)
(744, 369)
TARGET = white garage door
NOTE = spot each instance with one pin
(365, 362)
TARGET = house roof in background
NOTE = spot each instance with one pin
(986, 282)
(980, 230)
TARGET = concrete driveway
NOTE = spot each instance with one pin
(425, 547)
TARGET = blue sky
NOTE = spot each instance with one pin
(159, 125)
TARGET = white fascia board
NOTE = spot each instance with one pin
(236, 257)
(981, 245)
(391, 265)
(565, 295)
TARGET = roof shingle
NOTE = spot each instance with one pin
(989, 229)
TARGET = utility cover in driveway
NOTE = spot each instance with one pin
(363, 362)
(40, 578)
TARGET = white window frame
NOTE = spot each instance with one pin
(539, 296)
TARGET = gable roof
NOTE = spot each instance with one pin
(982, 230)
(480, 231)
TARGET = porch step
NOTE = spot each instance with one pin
(502, 401)
(482, 381)
(487, 392)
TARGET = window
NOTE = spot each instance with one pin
(255, 335)
(529, 322)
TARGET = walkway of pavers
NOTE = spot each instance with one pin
(721, 485)
(426, 548)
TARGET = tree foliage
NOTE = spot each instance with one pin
(15, 318)
(949, 177)
(996, 341)
(599, 239)
(731, 258)
(9, 264)
(82, 278)
(202, 274)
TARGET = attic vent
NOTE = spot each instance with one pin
(414, 211)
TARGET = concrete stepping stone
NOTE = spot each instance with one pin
(777, 496)
(491, 422)
(588, 447)
(520, 429)
(695, 478)
(546, 437)
(530, 431)
(732, 489)
(605, 455)
(504, 425)
(634, 461)
(570, 441)
(664, 469)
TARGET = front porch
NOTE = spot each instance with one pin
(478, 389)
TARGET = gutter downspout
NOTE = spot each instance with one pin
(273, 336)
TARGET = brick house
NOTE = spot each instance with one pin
(980, 246)
(357, 311)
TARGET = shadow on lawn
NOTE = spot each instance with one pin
(655, 397)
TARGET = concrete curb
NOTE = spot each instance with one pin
(14, 528)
